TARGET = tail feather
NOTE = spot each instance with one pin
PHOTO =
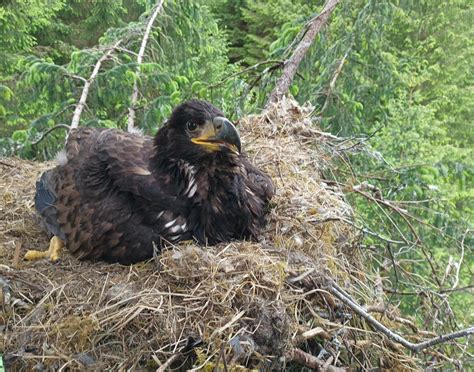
(45, 200)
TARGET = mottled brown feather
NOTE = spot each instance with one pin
(120, 192)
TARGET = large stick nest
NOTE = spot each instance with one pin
(243, 304)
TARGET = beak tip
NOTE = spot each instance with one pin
(228, 132)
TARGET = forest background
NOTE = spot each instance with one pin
(396, 74)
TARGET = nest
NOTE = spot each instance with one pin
(226, 307)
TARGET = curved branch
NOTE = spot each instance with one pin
(85, 90)
(340, 294)
(141, 52)
(43, 136)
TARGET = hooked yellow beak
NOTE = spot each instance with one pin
(219, 134)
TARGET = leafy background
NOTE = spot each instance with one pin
(403, 80)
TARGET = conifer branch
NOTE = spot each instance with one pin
(141, 52)
(291, 65)
(85, 90)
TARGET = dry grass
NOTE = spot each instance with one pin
(236, 304)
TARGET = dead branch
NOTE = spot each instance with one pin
(6, 164)
(378, 199)
(77, 77)
(389, 315)
(459, 264)
(85, 90)
(43, 136)
(339, 293)
(275, 63)
(291, 65)
(369, 232)
(332, 84)
(169, 362)
(456, 289)
(310, 361)
(141, 52)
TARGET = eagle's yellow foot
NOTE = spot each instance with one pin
(53, 252)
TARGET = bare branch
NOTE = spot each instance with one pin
(275, 63)
(459, 264)
(77, 77)
(389, 315)
(125, 50)
(43, 136)
(141, 52)
(310, 361)
(332, 84)
(85, 90)
(289, 71)
(378, 199)
(6, 164)
(169, 362)
(416, 348)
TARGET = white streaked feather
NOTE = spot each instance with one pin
(192, 191)
(159, 215)
(249, 191)
(171, 223)
(190, 184)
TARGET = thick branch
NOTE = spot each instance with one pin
(289, 72)
(85, 91)
(416, 348)
(141, 52)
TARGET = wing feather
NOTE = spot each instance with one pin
(258, 182)
(122, 162)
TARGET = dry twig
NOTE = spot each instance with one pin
(310, 361)
(416, 348)
(332, 84)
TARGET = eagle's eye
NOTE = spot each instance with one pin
(191, 126)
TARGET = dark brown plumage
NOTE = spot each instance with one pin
(120, 192)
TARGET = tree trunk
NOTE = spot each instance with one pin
(291, 65)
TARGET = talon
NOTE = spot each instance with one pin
(53, 252)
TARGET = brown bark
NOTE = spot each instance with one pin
(291, 65)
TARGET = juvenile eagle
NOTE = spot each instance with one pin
(117, 195)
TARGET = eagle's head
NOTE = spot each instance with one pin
(218, 195)
(195, 131)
